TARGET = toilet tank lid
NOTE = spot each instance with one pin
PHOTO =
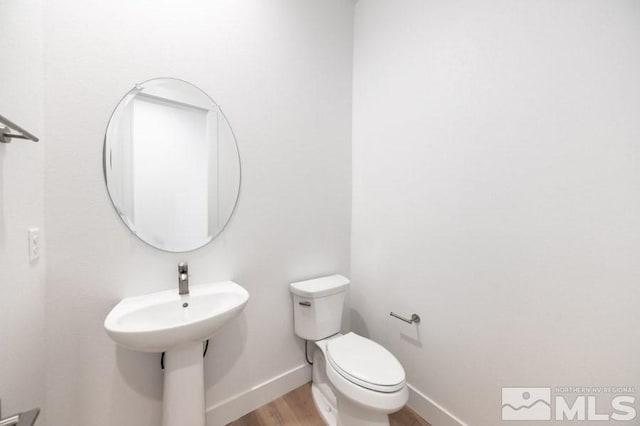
(320, 287)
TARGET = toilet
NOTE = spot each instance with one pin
(356, 381)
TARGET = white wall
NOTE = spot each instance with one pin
(496, 192)
(22, 356)
(281, 70)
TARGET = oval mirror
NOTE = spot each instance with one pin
(171, 165)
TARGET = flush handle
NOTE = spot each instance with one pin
(304, 303)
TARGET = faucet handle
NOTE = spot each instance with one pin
(183, 278)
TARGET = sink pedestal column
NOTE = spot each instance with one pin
(183, 400)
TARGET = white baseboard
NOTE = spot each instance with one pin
(430, 410)
(245, 402)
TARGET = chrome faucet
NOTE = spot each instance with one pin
(183, 278)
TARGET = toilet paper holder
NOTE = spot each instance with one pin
(414, 318)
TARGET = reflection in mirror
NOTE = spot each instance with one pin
(171, 165)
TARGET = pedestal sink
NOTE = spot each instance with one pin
(177, 325)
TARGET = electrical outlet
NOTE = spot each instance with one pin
(34, 244)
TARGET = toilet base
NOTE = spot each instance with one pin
(321, 392)
(346, 413)
(324, 405)
(334, 408)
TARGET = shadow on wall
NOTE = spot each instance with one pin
(225, 349)
(413, 337)
(358, 324)
(137, 367)
(141, 372)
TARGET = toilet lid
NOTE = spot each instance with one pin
(365, 363)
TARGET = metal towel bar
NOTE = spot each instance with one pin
(414, 318)
(6, 135)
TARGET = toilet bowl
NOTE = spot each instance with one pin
(356, 381)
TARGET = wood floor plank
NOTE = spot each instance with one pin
(300, 402)
(275, 415)
(250, 419)
(407, 417)
(297, 409)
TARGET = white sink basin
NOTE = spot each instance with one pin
(159, 322)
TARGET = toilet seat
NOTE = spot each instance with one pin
(365, 363)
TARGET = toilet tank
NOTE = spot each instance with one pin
(317, 306)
